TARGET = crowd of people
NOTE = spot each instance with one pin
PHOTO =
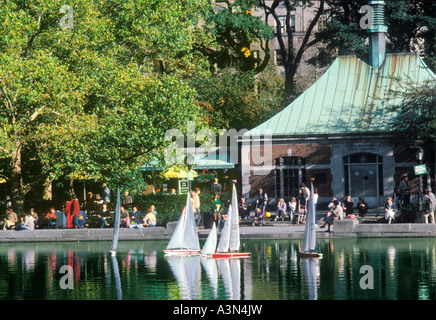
(99, 207)
(74, 215)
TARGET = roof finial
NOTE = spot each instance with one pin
(377, 30)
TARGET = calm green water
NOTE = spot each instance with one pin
(402, 269)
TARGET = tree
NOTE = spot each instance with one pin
(411, 27)
(239, 100)
(290, 55)
(234, 29)
(94, 102)
(415, 117)
(415, 114)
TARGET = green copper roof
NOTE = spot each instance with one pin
(350, 97)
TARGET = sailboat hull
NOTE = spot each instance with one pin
(181, 252)
(231, 255)
(308, 254)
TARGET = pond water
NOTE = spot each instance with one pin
(351, 269)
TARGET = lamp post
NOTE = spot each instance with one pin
(420, 156)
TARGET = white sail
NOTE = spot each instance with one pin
(224, 243)
(212, 274)
(235, 270)
(185, 234)
(116, 225)
(186, 270)
(209, 246)
(224, 268)
(309, 240)
(234, 229)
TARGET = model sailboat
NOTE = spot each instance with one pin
(185, 238)
(309, 241)
(113, 250)
(228, 246)
(209, 246)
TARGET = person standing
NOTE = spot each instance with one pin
(106, 193)
(405, 189)
(304, 198)
(215, 187)
(262, 200)
(430, 200)
(215, 207)
(397, 197)
(127, 200)
(73, 213)
(196, 207)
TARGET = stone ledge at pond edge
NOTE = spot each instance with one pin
(352, 228)
(155, 233)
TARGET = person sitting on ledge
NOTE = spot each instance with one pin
(336, 213)
(10, 220)
(51, 219)
(390, 210)
(149, 219)
(259, 218)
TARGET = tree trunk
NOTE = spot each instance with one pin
(17, 190)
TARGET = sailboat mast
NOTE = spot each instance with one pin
(116, 224)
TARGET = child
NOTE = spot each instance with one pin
(292, 208)
(301, 213)
(281, 209)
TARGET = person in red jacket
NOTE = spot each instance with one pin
(73, 211)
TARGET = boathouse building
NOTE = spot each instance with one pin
(338, 132)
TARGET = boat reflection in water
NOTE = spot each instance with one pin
(401, 269)
(224, 273)
(311, 275)
(186, 270)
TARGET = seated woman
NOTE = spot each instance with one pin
(390, 210)
(28, 223)
(124, 218)
(103, 215)
(281, 209)
(149, 219)
(335, 213)
(349, 208)
(51, 219)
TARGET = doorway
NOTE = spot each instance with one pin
(363, 175)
